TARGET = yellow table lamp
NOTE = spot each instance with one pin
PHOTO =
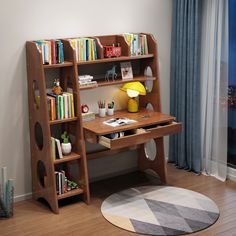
(133, 89)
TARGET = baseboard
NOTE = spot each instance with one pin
(231, 173)
(22, 197)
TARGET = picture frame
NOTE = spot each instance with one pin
(126, 70)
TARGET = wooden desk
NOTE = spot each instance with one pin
(149, 125)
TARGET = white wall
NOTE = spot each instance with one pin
(24, 20)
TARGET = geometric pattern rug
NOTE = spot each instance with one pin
(160, 210)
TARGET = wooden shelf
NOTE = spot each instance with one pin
(72, 156)
(118, 81)
(113, 59)
(65, 64)
(36, 76)
(70, 193)
(54, 122)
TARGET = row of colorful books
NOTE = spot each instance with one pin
(85, 48)
(138, 43)
(63, 184)
(52, 51)
(60, 106)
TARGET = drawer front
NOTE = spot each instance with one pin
(140, 136)
(165, 129)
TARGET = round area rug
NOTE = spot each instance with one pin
(160, 210)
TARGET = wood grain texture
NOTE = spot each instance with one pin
(143, 118)
(33, 218)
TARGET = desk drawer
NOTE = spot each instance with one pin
(164, 129)
(140, 135)
(137, 136)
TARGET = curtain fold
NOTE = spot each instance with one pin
(214, 86)
(185, 148)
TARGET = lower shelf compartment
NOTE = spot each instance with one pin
(70, 193)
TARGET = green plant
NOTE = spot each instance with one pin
(65, 137)
(72, 185)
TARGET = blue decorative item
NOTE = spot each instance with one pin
(6, 194)
(111, 73)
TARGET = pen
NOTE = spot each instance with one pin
(101, 104)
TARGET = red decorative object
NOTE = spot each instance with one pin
(112, 51)
(84, 108)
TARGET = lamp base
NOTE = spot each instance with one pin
(132, 105)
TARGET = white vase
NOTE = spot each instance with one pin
(66, 148)
(110, 111)
(102, 112)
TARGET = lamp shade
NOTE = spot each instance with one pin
(136, 86)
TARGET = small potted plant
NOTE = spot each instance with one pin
(66, 145)
(110, 110)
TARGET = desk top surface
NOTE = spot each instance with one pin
(143, 118)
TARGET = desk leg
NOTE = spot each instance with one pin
(158, 165)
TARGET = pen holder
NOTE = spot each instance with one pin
(102, 112)
(110, 111)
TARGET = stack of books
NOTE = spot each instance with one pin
(85, 80)
(85, 48)
(52, 51)
(60, 106)
(138, 43)
(88, 116)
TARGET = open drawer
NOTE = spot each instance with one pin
(140, 135)
(130, 138)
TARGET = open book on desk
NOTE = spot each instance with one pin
(116, 122)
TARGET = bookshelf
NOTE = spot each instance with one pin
(42, 128)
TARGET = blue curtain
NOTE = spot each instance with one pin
(232, 85)
(232, 42)
(185, 148)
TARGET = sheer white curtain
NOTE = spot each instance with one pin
(214, 85)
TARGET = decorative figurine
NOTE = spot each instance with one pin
(57, 90)
(111, 73)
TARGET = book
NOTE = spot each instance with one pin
(53, 52)
(72, 106)
(126, 70)
(88, 116)
(51, 107)
(58, 149)
(116, 122)
(53, 148)
(66, 105)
